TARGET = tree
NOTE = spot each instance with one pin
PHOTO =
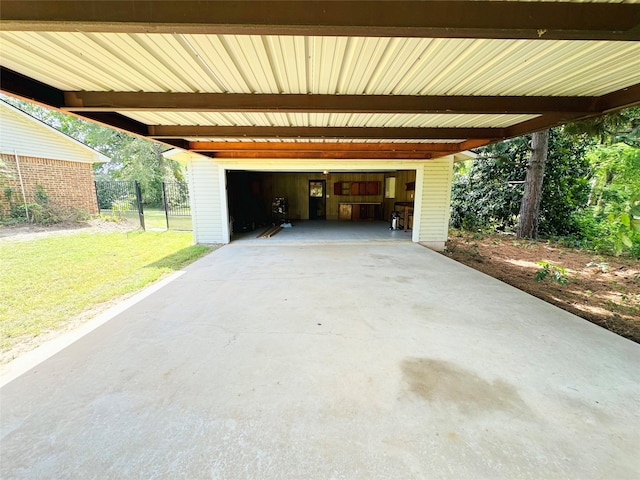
(618, 127)
(623, 126)
(132, 158)
(489, 194)
(612, 222)
(141, 160)
(528, 218)
(616, 175)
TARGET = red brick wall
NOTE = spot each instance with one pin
(67, 184)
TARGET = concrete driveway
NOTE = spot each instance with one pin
(330, 361)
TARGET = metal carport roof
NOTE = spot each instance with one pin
(282, 79)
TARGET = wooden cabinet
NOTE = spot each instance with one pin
(356, 188)
(359, 211)
(345, 211)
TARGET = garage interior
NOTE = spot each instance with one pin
(346, 197)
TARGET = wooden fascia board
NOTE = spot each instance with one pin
(428, 19)
(289, 150)
(323, 147)
(234, 102)
(172, 131)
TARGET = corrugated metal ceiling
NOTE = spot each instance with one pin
(96, 60)
(320, 65)
(325, 119)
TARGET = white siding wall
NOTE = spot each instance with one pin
(208, 201)
(30, 138)
(207, 183)
(433, 198)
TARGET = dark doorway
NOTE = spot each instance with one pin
(317, 200)
(247, 207)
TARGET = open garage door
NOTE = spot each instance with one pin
(236, 196)
(321, 205)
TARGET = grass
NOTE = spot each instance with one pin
(45, 282)
(155, 219)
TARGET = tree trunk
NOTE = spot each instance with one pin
(157, 150)
(530, 206)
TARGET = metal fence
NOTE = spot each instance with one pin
(123, 199)
(175, 201)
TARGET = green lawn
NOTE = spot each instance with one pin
(155, 219)
(47, 281)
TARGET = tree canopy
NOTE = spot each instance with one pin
(617, 127)
(132, 158)
(489, 193)
(591, 188)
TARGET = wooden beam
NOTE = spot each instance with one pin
(623, 98)
(539, 123)
(352, 150)
(234, 102)
(322, 147)
(185, 131)
(118, 121)
(434, 19)
(176, 142)
(14, 83)
(475, 143)
(338, 155)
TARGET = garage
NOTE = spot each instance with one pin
(234, 198)
(261, 199)
(285, 91)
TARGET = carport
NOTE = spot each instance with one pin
(317, 86)
(343, 360)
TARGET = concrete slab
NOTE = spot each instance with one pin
(330, 361)
(327, 231)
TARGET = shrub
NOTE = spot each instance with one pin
(42, 211)
(554, 272)
(119, 207)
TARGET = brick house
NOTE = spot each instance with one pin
(45, 157)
